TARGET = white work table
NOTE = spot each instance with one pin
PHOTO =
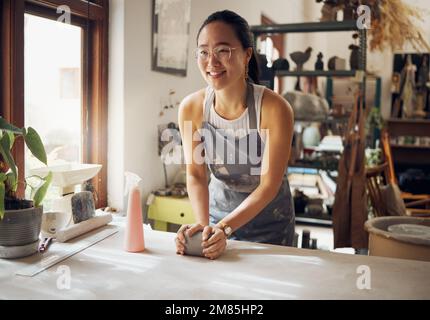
(245, 271)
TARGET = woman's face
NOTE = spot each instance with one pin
(227, 69)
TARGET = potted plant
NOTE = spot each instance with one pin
(20, 219)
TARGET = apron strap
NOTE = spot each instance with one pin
(250, 104)
(209, 100)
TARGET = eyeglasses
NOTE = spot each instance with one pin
(221, 53)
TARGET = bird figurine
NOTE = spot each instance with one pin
(319, 64)
(300, 57)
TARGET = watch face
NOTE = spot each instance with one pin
(227, 230)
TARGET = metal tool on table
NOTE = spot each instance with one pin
(45, 244)
(64, 251)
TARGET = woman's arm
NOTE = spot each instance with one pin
(190, 118)
(278, 119)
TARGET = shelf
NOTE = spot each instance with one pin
(409, 146)
(330, 119)
(316, 73)
(408, 127)
(409, 121)
(318, 221)
(329, 26)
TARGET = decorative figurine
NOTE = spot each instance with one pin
(350, 10)
(300, 58)
(423, 78)
(281, 64)
(408, 93)
(319, 65)
(336, 63)
(423, 73)
(354, 58)
(331, 7)
(329, 10)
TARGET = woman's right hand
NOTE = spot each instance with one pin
(190, 229)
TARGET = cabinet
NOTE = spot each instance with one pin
(410, 142)
(164, 210)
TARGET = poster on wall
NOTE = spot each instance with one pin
(171, 28)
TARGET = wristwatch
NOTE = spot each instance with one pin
(226, 228)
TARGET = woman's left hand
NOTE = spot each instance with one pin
(216, 244)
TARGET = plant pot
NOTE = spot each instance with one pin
(20, 227)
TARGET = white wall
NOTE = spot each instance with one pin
(135, 90)
(116, 104)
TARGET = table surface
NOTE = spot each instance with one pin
(245, 271)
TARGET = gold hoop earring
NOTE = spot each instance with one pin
(246, 73)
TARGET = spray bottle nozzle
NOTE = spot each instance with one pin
(131, 180)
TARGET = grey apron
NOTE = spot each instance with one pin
(235, 165)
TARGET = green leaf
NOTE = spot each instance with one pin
(5, 152)
(2, 191)
(4, 125)
(11, 138)
(41, 192)
(12, 181)
(3, 177)
(34, 143)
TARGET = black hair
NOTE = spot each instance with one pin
(243, 33)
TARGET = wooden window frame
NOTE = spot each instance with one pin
(12, 76)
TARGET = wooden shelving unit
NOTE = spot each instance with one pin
(328, 26)
(332, 26)
(317, 73)
(409, 127)
(405, 154)
(409, 146)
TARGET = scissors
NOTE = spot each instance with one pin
(45, 244)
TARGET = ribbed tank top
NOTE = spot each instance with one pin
(239, 125)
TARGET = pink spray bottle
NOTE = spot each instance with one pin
(134, 240)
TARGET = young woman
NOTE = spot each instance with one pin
(248, 197)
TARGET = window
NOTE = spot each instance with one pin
(53, 98)
(52, 90)
(44, 74)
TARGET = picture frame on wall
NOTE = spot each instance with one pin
(170, 35)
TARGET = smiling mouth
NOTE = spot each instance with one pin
(215, 75)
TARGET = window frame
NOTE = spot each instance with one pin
(95, 101)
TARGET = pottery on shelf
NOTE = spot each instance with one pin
(281, 64)
(319, 64)
(300, 57)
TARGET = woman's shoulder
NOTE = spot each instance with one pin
(273, 106)
(272, 100)
(192, 105)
